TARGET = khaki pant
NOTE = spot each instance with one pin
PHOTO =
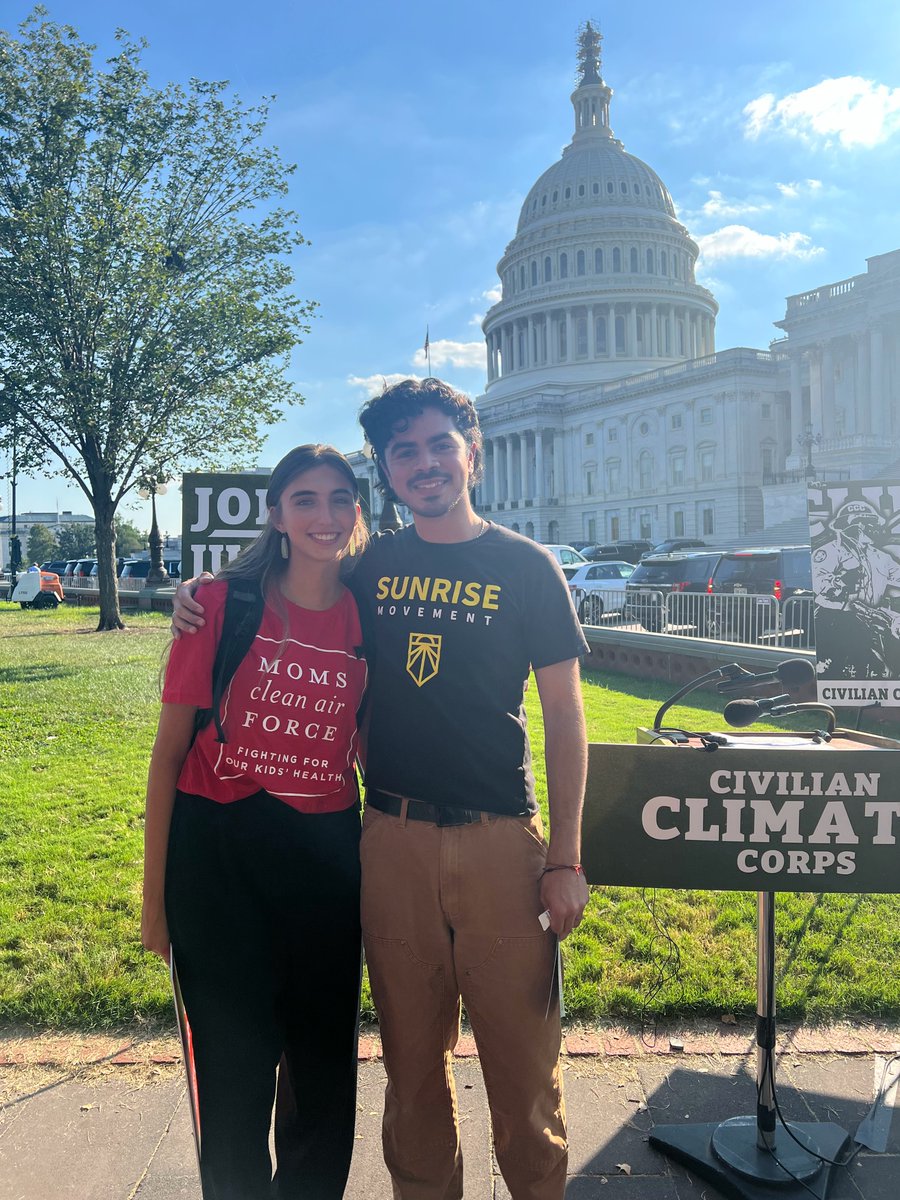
(449, 912)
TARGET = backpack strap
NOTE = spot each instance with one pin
(366, 650)
(244, 605)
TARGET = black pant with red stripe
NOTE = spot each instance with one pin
(263, 909)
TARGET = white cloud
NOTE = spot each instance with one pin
(456, 354)
(850, 109)
(796, 188)
(373, 385)
(739, 241)
(718, 206)
(493, 296)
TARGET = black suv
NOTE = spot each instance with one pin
(769, 578)
(624, 551)
(139, 568)
(683, 577)
(674, 545)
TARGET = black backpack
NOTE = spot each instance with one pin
(244, 606)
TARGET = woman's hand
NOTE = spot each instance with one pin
(155, 930)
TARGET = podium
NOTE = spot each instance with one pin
(737, 812)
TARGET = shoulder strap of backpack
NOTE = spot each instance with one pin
(366, 650)
(242, 617)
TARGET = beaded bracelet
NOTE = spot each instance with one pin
(576, 867)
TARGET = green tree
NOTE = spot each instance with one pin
(129, 538)
(75, 540)
(145, 288)
(41, 544)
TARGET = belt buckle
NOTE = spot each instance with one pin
(453, 816)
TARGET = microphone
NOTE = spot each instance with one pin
(740, 713)
(793, 673)
(728, 672)
(784, 710)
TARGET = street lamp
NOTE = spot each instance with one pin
(153, 484)
(809, 439)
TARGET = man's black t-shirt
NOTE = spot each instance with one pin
(456, 627)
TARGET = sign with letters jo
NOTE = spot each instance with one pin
(221, 513)
(741, 819)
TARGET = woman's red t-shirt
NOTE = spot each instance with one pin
(289, 713)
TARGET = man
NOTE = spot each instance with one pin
(455, 870)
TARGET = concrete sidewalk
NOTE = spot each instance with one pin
(118, 1128)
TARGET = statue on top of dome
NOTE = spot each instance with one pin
(589, 39)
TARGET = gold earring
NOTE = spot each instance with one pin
(285, 546)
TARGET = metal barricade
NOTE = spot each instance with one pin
(743, 618)
(797, 624)
(687, 613)
(595, 606)
(646, 607)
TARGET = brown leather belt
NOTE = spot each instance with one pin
(421, 810)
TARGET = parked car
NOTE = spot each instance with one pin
(570, 560)
(598, 588)
(139, 568)
(120, 563)
(673, 545)
(82, 569)
(686, 574)
(69, 572)
(622, 551)
(55, 568)
(769, 577)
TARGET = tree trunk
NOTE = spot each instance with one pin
(104, 528)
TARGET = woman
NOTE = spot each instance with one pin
(252, 848)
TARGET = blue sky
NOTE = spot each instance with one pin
(418, 131)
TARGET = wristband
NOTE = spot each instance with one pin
(576, 867)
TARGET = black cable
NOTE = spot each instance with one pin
(668, 966)
(768, 1070)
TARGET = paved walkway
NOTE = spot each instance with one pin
(107, 1119)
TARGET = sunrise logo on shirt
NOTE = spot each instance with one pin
(423, 656)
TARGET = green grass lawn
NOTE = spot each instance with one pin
(77, 718)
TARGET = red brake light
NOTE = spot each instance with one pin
(709, 585)
(777, 589)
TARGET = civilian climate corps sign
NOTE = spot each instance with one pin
(785, 820)
(221, 514)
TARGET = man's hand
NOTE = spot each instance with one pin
(187, 614)
(564, 894)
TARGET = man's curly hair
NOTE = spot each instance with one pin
(391, 412)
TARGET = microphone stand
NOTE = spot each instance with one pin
(748, 1157)
(727, 672)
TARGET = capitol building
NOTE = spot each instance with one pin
(608, 411)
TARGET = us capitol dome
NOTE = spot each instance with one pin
(598, 282)
(608, 412)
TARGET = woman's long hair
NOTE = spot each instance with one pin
(263, 561)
